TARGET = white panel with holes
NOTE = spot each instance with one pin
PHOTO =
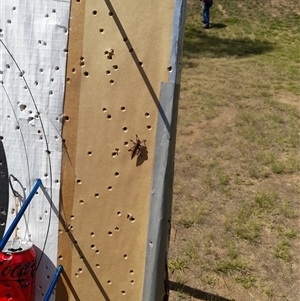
(33, 51)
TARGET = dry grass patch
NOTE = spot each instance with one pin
(236, 191)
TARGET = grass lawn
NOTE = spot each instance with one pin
(235, 224)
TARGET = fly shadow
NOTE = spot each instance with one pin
(218, 25)
(143, 156)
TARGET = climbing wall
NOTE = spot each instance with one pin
(119, 54)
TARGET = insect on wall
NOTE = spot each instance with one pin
(139, 148)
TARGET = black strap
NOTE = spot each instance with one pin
(4, 190)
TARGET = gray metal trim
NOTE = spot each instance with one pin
(161, 196)
(163, 173)
(177, 40)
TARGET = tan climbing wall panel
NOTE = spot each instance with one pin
(119, 53)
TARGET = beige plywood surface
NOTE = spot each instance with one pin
(119, 53)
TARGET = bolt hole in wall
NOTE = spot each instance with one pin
(109, 52)
(81, 62)
(130, 218)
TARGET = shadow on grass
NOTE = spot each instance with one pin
(195, 293)
(200, 42)
(218, 25)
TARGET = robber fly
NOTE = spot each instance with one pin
(137, 147)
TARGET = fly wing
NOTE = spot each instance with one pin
(134, 151)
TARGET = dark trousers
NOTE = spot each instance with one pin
(206, 8)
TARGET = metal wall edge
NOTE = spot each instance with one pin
(163, 172)
(161, 196)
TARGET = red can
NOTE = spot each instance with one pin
(17, 271)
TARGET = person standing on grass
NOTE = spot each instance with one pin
(206, 5)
